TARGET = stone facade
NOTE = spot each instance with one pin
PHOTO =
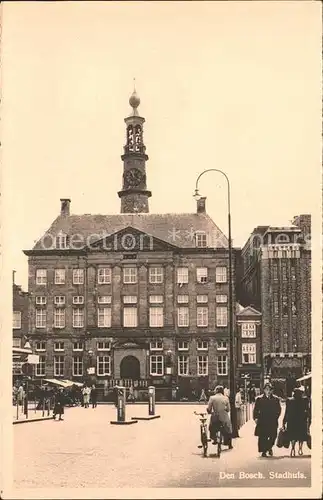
(277, 281)
(20, 302)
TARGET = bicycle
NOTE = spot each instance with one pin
(203, 429)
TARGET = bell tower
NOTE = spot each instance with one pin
(134, 195)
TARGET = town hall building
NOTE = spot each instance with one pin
(132, 298)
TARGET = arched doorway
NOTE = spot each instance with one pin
(130, 368)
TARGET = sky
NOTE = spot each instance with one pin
(228, 85)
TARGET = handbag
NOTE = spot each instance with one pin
(282, 439)
(309, 441)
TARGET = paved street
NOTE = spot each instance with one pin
(86, 451)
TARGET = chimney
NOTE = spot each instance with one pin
(65, 206)
(201, 205)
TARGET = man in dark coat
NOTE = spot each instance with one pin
(266, 414)
(59, 404)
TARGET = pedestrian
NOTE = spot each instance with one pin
(266, 413)
(59, 402)
(252, 394)
(219, 408)
(203, 396)
(94, 396)
(86, 391)
(296, 420)
(226, 391)
(238, 405)
(20, 394)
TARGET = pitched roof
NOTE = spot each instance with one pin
(249, 311)
(177, 229)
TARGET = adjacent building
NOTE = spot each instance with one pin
(276, 279)
(249, 369)
(20, 326)
(133, 298)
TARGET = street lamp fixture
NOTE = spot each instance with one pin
(233, 411)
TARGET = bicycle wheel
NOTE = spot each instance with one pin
(204, 443)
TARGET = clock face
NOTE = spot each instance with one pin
(133, 177)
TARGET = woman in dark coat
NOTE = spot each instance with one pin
(266, 414)
(296, 420)
(59, 404)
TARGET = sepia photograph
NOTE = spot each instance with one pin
(161, 249)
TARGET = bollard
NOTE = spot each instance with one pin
(43, 405)
(48, 407)
(17, 403)
(121, 409)
(151, 405)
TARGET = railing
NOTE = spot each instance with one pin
(35, 409)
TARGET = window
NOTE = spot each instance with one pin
(202, 299)
(41, 277)
(294, 306)
(182, 275)
(182, 345)
(156, 345)
(248, 353)
(275, 304)
(77, 366)
(201, 240)
(104, 299)
(221, 316)
(41, 301)
(274, 269)
(202, 316)
(104, 275)
(156, 274)
(59, 346)
(40, 368)
(156, 364)
(130, 275)
(103, 365)
(59, 318)
(222, 345)
(103, 346)
(78, 276)
(16, 320)
(202, 365)
(78, 346)
(129, 299)
(156, 316)
(61, 241)
(202, 345)
(284, 271)
(183, 368)
(156, 299)
(130, 319)
(183, 316)
(182, 299)
(59, 276)
(104, 317)
(248, 330)
(293, 271)
(40, 318)
(285, 305)
(58, 366)
(221, 299)
(221, 274)
(284, 254)
(222, 365)
(78, 299)
(16, 342)
(78, 318)
(59, 300)
(201, 274)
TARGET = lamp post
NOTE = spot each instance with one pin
(231, 308)
(169, 369)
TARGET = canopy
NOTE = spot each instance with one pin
(61, 383)
(72, 382)
(306, 377)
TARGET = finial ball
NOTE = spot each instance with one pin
(134, 100)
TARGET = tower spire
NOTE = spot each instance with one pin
(134, 194)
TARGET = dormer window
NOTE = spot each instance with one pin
(201, 239)
(61, 241)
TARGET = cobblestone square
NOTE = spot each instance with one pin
(86, 451)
